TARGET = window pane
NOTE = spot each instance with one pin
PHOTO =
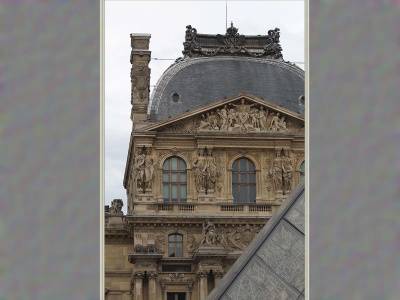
(171, 238)
(181, 296)
(178, 238)
(174, 191)
(165, 165)
(243, 178)
(174, 177)
(235, 178)
(182, 164)
(303, 167)
(235, 166)
(235, 193)
(243, 193)
(251, 166)
(243, 164)
(171, 296)
(166, 177)
(183, 178)
(179, 252)
(183, 192)
(171, 250)
(165, 191)
(174, 162)
(252, 194)
(252, 178)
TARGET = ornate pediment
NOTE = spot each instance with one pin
(240, 114)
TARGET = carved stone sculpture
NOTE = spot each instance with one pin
(287, 169)
(199, 166)
(263, 116)
(211, 172)
(276, 171)
(144, 169)
(209, 235)
(116, 207)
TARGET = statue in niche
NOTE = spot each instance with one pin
(276, 170)
(263, 116)
(211, 171)
(287, 170)
(116, 207)
(209, 236)
(139, 168)
(149, 169)
(144, 168)
(200, 170)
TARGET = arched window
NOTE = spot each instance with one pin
(175, 245)
(302, 170)
(174, 180)
(243, 181)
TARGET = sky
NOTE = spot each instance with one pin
(166, 22)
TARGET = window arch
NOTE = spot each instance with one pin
(302, 170)
(243, 181)
(174, 180)
(175, 245)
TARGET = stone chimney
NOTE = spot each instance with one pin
(140, 78)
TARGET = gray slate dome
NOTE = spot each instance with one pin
(195, 82)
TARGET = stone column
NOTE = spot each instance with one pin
(152, 285)
(138, 277)
(217, 277)
(202, 280)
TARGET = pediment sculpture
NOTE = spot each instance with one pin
(242, 116)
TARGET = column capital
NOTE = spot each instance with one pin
(152, 275)
(202, 274)
(137, 275)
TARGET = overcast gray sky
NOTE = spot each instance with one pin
(166, 22)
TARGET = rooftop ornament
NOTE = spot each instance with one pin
(232, 44)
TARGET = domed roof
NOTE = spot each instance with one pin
(194, 82)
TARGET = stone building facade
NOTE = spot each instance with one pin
(213, 153)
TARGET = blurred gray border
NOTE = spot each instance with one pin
(49, 163)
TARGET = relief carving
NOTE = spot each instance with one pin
(160, 243)
(277, 123)
(176, 277)
(192, 244)
(237, 117)
(209, 235)
(140, 77)
(239, 238)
